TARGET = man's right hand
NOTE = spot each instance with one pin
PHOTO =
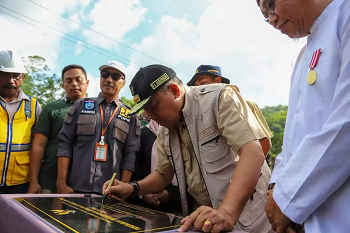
(34, 188)
(64, 189)
(119, 190)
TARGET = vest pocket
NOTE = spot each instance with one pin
(215, 154)
(86, 128)
(250, 216)
(121, 130)
(21, 169)
(69, 116)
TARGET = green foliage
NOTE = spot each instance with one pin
(276, 119)
(128, 102)
(39, 83)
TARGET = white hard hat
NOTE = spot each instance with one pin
(115, 65)
(10, 63)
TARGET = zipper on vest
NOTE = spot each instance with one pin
(216, 139)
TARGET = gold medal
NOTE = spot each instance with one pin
(311, 78)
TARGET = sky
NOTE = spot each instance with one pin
(181, 34)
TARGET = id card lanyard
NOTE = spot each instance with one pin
(101, 147)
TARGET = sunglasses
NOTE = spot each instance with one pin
(115, 76)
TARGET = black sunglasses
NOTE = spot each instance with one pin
(115, 76)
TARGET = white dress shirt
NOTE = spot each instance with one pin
(312, 171)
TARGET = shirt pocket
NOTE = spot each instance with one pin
(215, 154)
(121, 130)
(86, 128)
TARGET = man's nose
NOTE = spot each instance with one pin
(150, 115)
(11, 80)
(74, 82)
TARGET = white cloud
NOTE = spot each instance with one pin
(232, 35)
(94, 85)
(74, 18)
(36, 38)
(114, 19)
(26, 40)
(79, 48)
(63, 5)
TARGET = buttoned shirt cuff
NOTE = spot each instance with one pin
(129, 161)
(291, 210)
(273, 178)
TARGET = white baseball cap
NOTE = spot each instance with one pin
(10, 63)
(115, 65)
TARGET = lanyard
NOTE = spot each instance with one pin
(102, 121)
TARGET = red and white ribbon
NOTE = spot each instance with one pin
(315, 57)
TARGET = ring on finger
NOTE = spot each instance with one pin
(207, 224)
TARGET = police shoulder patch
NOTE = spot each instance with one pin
(89, 104)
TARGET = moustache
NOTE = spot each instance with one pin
(9, 87)
(108, 85)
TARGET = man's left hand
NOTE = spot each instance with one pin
(163, 196)
(279, 222)
(208, 220)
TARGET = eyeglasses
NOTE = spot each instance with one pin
(15, 76)
(115, 76)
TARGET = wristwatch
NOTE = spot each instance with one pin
(271, 186)
(136, 190)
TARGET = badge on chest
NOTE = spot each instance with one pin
(101, 151)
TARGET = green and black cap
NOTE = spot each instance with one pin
(146, 82)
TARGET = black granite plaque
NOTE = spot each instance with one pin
(89, 215)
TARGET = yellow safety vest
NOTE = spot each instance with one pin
(15, 135)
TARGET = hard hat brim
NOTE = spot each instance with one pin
(13, 70)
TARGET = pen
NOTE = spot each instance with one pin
(109, 185)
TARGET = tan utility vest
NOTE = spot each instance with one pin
(216, 159)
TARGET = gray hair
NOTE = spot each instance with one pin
(175, 80)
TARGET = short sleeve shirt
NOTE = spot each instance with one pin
(49, 124)
(233, 116)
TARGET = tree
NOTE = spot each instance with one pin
(39, 82)
(276, 119)
(128, 102)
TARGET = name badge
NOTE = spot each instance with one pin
(100, 152)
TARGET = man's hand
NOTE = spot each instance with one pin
(279, 222)
(163, 196)
(64, 189)
(118, 190)
(34, 188)
(151, 199)
(207, 219)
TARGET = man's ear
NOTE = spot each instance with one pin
(175, 90)
(218, 79)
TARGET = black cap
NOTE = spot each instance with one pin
(146, 82)
(207, 69)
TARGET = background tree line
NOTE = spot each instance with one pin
(47, 87)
